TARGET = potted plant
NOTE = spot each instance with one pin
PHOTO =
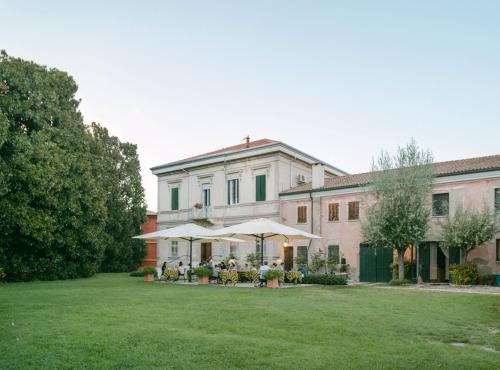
(203, 274)
(272, 278)
(171, 274)
(149, 273)
(294, 277)
(198, 206)
(253, 277)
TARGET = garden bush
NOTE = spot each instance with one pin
(465, 274)
(398, 282)
(273, 274)
(202, 271)
(294, 277)
(324, 280)
(171, 274)
(137, 273)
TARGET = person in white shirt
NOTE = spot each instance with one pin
(263, 269)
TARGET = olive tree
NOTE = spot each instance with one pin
(468, 228)
(402, 186)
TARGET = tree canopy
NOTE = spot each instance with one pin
(468, 228)
(402, 185)
(55, 204)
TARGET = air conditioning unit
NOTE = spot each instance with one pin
(301, 179)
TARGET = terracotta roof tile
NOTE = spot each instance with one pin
(456, 167)
(234, 148)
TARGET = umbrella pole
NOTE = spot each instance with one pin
(261, 249)
(190, 258)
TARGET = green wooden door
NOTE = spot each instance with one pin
(374, 264)
(424, 259)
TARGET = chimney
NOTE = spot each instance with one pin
(247, 138)
(318, 175)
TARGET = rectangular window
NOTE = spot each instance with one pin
(301, 214)
(440, 204)
(233, 249)
(233, 191)
(205, 195)
(174, 249)
(334, 252)
(497, 200)
(353, 210)
(333, 212)
(498, 250)
(260, 188)
(175, 199)
(302, 251)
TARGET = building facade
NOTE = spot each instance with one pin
(271, 179)
(226, 187)
(336, 208)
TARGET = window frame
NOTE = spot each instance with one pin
(233, 191)
(496, 199)
(260, 188)
(174, 199)
(299, 219)
(206, 195)
(174, 244)
(303, 251)
(331, 246)
(331, 206)
(434, 205)
(498, 250)
(349, 215)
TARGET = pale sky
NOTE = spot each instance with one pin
(339, 80)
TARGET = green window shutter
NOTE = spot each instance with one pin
(175, 199)
(260, 188)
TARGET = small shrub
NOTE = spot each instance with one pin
(224, 277)
(233, 277)
(252, 276)
(488, 279)
(294, 277)
(465, 274)
(171, 274)
(149, 270)
(398, 282)
(137, 273)
(202, 271)
(273, 274)
(324, 280)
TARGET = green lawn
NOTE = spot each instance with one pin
(114, 321)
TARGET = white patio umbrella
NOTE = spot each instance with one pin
(262, 229)
(186, 232)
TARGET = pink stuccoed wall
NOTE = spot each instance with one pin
(348, 234)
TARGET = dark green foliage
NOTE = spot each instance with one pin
(465, 274)
(397, 282)
(273, 274)
(149, 270)
(119, 168)
(324, 280)
(53, 205)
(202, 271)
(137, 273)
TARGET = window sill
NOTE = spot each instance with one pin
(302, 223)
(333, 222)
(443, 216)
(355, 220)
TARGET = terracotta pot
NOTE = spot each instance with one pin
(272, 283)
(149, 277)
(203, 280)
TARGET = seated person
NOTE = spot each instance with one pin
(262, 271)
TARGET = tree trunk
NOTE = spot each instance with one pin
(401, 263)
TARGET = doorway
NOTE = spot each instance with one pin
(206, 252)
(288, 260)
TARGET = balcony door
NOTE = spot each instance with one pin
(206, 252)
(205, 195)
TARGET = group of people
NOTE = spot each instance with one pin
(222, 266)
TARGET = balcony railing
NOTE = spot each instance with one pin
(203, 213)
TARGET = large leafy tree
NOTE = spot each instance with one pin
(402, 185)
(120, 177)
(53, 204)
(468, 228)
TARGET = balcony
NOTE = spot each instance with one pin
(201, 214)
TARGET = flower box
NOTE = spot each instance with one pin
(272, 283)
(203, 280)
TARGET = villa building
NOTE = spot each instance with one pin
(226, 187)
(271, 179)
